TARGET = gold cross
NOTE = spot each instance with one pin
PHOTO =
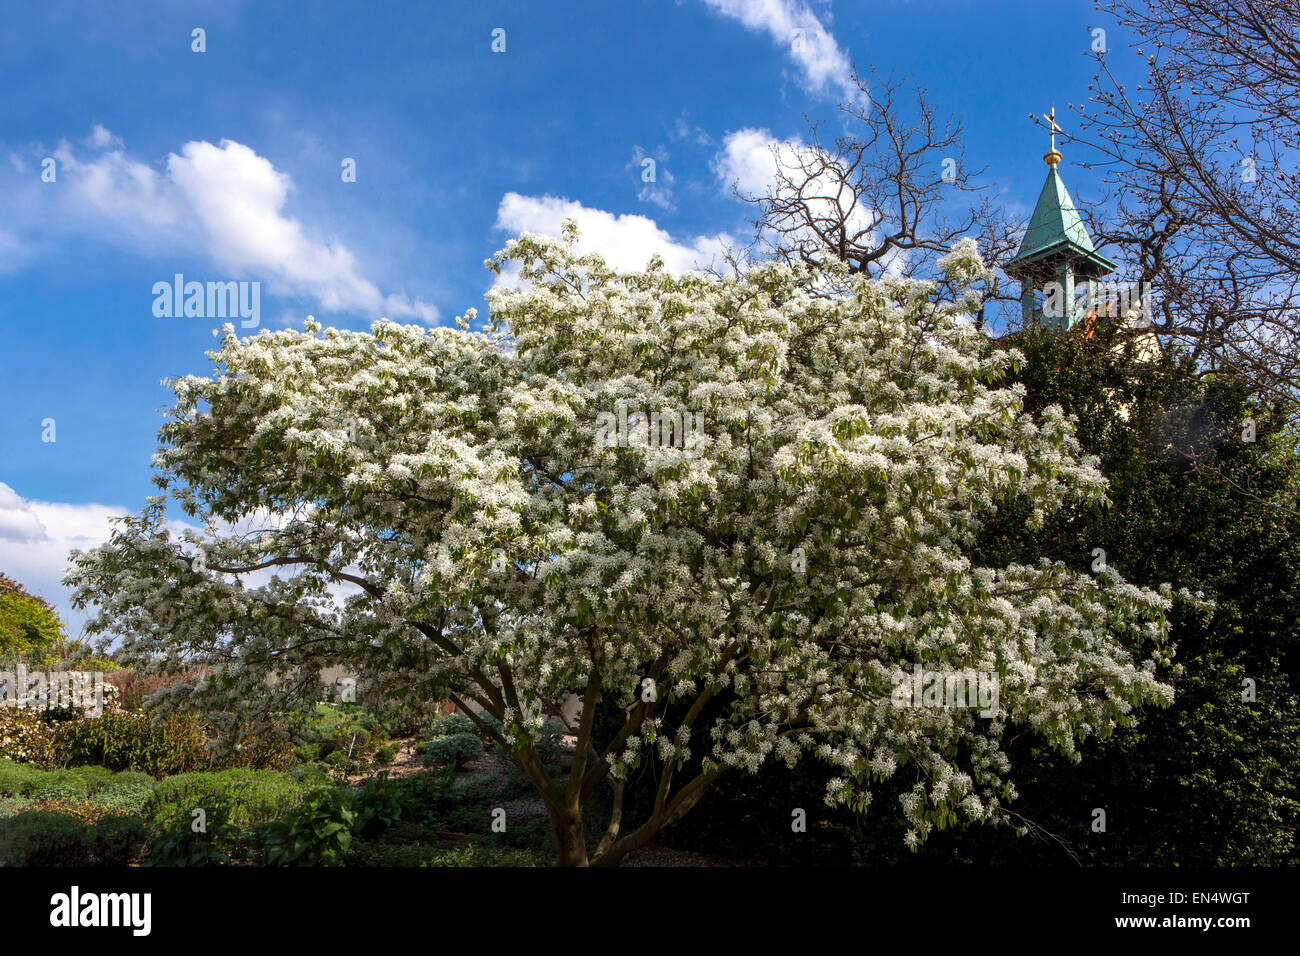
(1051, 122)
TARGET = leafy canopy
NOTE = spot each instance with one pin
(27, 622)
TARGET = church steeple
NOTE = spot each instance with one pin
(1056, 252)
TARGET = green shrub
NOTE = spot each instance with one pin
(518, 784)
(475, 792)
(268, 753)
(385, 754)
(131, 778)
(310, 774)
(41, 838)
(124, 792)
(383, 803)
(119, 839)
(473, 817)
(365, 854)
(405, 721)
(316, 832)
(60, 785)
(18, 780)
(453, 751)
(419, 799)
(451, 725)
(125, 798)
(336, 758)
(328, 728)
(177, 843)
(83, 811)
(96, 778)
(401, 809)
(410, 832)
(132, 742)
(251, 796)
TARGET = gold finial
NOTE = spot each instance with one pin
(1053, 156)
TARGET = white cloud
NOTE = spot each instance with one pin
(748, 159)
(17, 521)
(751, 159)
(826, 69)
(100, 138)
(35, 538)
(627, 241)
(685, 131)
(225, 202)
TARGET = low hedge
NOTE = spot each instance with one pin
(127, 797)
(124, 792)
(245, 796)
(59, 785)
(44, 838)
(52, 838)
(120, 839)
(133, 742)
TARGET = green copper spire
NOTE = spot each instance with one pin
(1056, 228)
(1055, 252)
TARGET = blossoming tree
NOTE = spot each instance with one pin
(440, 515)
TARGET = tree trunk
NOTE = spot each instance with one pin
(570, 842)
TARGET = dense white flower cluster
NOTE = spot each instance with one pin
(448, 524)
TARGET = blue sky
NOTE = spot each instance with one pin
(226, 165)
